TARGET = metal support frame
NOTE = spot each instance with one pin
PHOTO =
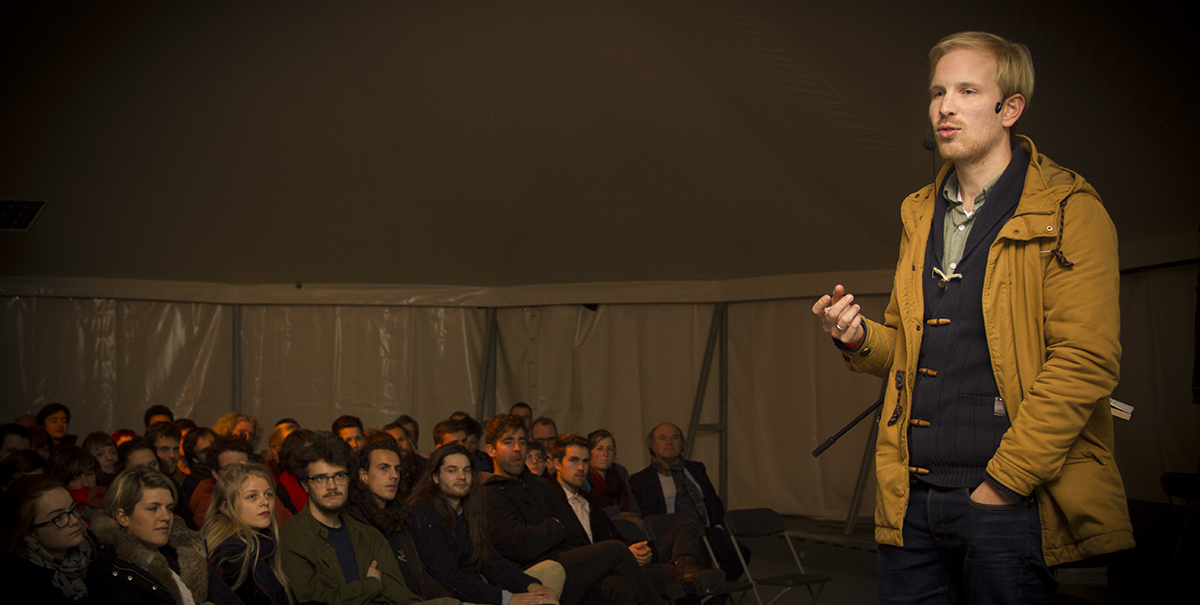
(485, 402)
(718, 332)
(235, 402)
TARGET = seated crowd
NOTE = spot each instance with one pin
(511, 513)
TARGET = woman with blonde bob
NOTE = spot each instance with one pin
(242, 535)
(147, 555)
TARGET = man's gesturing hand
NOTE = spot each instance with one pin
(839, 316)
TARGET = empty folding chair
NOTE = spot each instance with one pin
(757, 522)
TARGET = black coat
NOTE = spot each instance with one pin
(526, 518)
(25, 582)
(645, 487)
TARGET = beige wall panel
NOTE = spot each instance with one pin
(317, 363)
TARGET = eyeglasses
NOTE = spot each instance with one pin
(535, 458)
(323, 480)
(63, 519)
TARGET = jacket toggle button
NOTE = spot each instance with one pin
(920, 423)
(918, 470)
(927, 372)
(940, 321)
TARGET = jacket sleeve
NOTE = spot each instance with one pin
(435, 542)
(376, 548)
(1080, 323)
(523, 544)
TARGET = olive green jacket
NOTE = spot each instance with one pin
(313, 571)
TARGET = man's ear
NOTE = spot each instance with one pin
(1013, 107)
(362, 476)
(491, 450)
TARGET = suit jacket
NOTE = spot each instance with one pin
(602, 527)
(648, 491)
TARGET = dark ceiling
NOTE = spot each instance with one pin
(540, 142)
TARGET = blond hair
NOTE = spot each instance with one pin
(222, 522)
(125, 490)
(1014, 64)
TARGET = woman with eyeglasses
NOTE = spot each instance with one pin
(146, 554)
(241, 535)
(46, 547)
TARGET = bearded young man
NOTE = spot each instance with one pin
(328, 556)
(1000, 347)
(449, 525)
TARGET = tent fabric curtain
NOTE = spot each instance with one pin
(624, 367)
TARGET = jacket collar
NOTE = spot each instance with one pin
(189, 549)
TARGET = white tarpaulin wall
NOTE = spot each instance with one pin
(623, 367)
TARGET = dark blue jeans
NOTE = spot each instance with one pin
(959, 551)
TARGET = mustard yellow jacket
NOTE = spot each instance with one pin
(1053, 334)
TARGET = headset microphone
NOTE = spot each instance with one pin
(929, 143)
(998, 105)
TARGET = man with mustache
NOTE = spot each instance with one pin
(1000, 347)
(328, 556)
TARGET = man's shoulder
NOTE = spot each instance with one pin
(644, 477)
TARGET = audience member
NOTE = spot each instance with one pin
(102, 447)
(672, 485)
(157, 413)
(122, 435)
(287, 421)
(76, 468)
(449, 430)
(544, 431)
(239, 425)
(185, 425)
(136, 452)
(164, 437)
(349, 429)
(609, 481)
(45, 554)
(226, 451)
(13, 437)
(242, 535)
(523, 410)
(289, 492)
(55, 418)
(274, 442)
(681, 548)
(145, 556)
(450, 531)
(537, 460)
(26, 420)
(414, 432)
(328, 556)
(40, 441)
(527, 527)
(377, 496)
(20, 463)
(195, 447)
(400, 435)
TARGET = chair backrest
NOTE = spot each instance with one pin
(629, 530)
(754, 522)
(656, 526)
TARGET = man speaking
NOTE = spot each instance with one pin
(1000, 347)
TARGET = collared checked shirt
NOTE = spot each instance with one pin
(958, 223)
